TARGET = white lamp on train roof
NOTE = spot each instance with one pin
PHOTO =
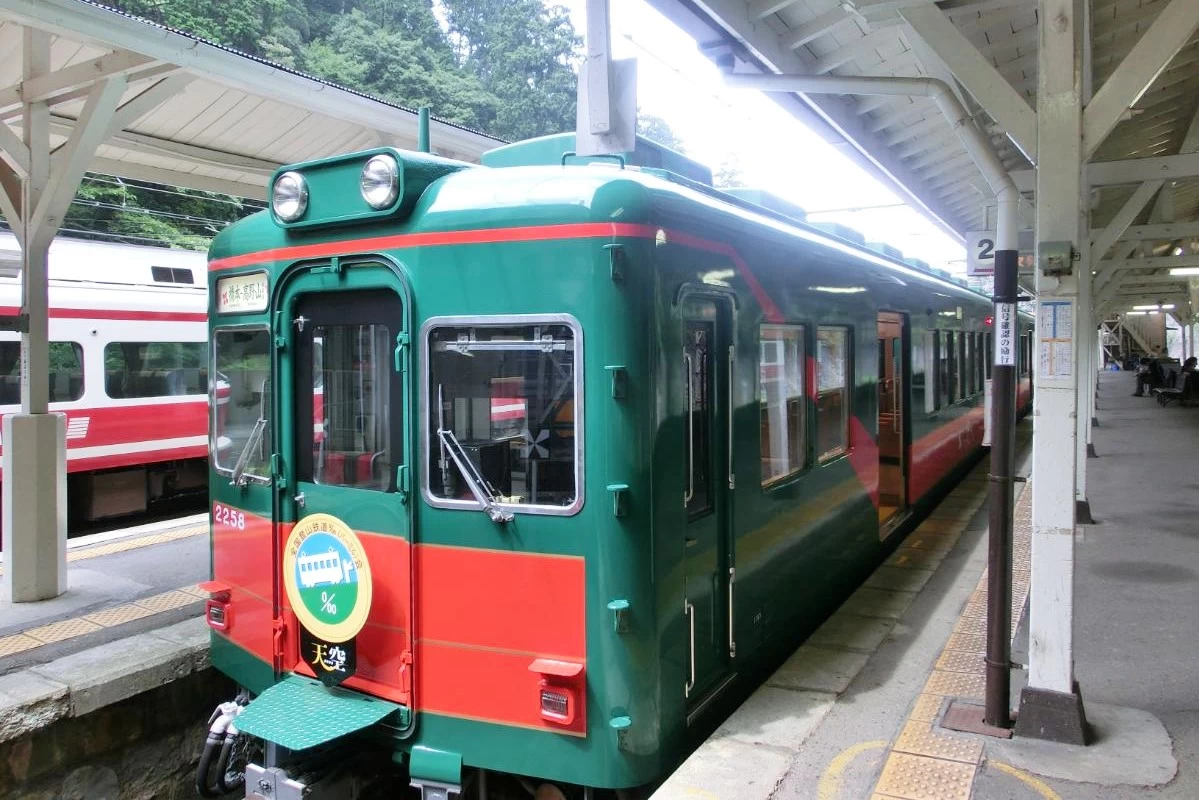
(380, 183)
(289, 196)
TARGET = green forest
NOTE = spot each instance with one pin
(504, 67)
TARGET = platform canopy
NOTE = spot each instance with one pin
(1141, 133)
(188, 112)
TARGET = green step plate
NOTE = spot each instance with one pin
(298, 713)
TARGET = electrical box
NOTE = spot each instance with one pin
(1055, 258)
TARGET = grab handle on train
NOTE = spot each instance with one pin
(689, 610)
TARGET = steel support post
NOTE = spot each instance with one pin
(1050, 706)
(997, 711)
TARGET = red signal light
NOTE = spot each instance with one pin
(989, 319)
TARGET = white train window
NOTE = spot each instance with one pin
(66, 372)
(155, 369)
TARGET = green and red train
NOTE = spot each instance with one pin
(535, 467)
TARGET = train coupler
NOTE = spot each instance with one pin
(436, 790)
(276, 783)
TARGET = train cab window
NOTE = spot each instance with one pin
(832, 391)
(351, 406)
(240, 401)
(944, 369)
(504, 405)
(155, 369)
(66, 372)
(783, 429)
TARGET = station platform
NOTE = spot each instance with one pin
(119, 583)
(856, 712)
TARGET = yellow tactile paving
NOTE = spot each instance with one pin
(167, 601)
(975, 626)
(17, 644)
(919, 739)
(954, 684)
(968, 642)
(926, 763)
(66, 629)
(960, 661)
(918, 778)
(98, 620)
(927, 708)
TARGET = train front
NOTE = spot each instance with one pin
(343, 424)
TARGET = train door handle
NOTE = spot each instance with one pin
(732, 368)
(689, 611)
(688, 366)
(732, 637)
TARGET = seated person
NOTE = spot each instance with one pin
(1188, 366)
(1148, 374)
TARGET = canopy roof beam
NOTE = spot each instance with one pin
(1147, 59)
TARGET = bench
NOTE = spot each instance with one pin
(1166, 395)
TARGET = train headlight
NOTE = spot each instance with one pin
(289, 196)
(380, 182)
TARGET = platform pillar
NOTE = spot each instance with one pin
(1050, 706)
(35, 193)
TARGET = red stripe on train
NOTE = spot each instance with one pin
(116, 314)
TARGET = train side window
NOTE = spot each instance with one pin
(240, 401)
(833, 374)
(783, 410)
(989, 356)
(66, 372)
(945, 369)
(922, 376)
(507, 395)
(959, 367)
(155, 369)
(967, 350)
(980, 360)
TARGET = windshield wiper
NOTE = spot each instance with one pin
(238, 478)
(479, 486)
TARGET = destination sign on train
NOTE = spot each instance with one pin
(241, 293)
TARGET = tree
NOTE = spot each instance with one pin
(524, 55)
(656, 129)
(728, 174)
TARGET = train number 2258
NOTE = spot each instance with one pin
(229, 517)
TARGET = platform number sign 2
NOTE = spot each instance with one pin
(980, 253)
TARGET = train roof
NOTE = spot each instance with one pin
(88, 261)
(516, 187)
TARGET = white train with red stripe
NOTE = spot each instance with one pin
(128, 366)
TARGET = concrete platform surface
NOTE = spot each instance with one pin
(855, 713)
(117, 586)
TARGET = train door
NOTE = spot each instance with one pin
(892, 420)
(707, 361)
(345, 559)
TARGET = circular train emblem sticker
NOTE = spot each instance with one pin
(327, 578)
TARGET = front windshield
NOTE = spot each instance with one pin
(240, 397)
(507, 394)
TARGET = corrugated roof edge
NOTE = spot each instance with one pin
(280, 67)
(817, 227)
